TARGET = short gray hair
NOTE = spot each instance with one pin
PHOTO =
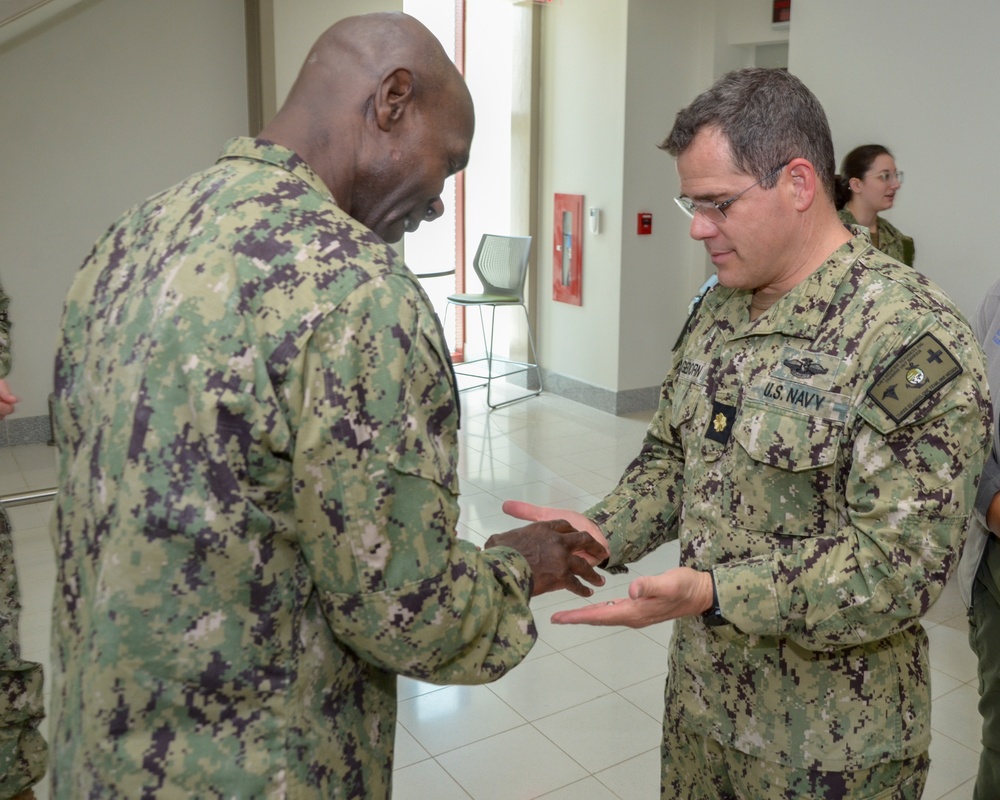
(768, 116)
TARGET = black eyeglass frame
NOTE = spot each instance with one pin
(690, 207)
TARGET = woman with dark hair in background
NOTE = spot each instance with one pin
(867, 184)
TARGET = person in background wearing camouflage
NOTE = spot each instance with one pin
(867, 184)
(22, 749)
(257, 432)
(979, 569)
(817, 450)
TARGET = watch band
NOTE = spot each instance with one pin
(713, 617)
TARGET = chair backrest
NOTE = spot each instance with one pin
(501, 263)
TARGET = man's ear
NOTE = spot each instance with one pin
(395, 93)
(804, 182)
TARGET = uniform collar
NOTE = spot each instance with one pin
(274, 154)
(801, 312)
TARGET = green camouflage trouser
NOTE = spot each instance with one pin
(984, 636)
(23, 751)
(699, 768)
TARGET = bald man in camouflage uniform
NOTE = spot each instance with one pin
(22, 748)
(257, 430)
(816, 451)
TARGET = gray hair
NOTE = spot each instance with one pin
(768, 116)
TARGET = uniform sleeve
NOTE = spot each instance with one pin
(642, 511)
(4, 334)
(909, 487)
(376, 499)
(986, 321)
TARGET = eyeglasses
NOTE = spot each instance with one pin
(886, 176)
(716, 212)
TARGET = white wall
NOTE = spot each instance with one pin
(614, 76)
(299, 23)
(659, 272)
(581, 152)
(917, 76)
(109, 103)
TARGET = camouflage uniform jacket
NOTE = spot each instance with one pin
(891, 241)
(822, 461)
(255, 529)
(22, 706)
(4, 334)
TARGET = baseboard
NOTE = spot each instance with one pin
(617, 403)
(25, 430)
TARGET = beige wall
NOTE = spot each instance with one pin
(298, 24)
(582, 106)
(917, 76)
(614, 74)
(99, 108)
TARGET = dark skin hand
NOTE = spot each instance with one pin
(551, 548)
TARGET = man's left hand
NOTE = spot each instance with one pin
(679, 592)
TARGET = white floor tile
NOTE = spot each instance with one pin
(602, 658)
(520, 764)
(952, 765)
(639, 777)
(407, 749)
(545, 686)
(587, 789)
(603, 732)
(648, 696)
(456, 716)
(425, 780)
(950, 652)
(956, 715)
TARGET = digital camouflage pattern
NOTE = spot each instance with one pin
(255, 527)
(22, 748)
(4, 334)
(891, 241)
(22, 707)
(829, 504)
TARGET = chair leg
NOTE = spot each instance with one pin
(534, 355)
(533, 365)
(491, 362)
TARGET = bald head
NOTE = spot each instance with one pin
(382, 114)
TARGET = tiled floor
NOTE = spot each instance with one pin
(580, 718)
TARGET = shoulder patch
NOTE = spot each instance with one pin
(915, 374)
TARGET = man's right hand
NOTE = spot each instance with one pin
(533, 513)
(558, 555)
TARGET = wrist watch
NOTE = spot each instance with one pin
(713, 617)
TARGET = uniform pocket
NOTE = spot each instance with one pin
(784, 471)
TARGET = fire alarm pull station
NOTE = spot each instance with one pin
(645, 225)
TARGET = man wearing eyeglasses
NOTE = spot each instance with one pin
(816, 451)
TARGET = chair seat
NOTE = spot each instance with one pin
(501, 264)
(486, 299)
